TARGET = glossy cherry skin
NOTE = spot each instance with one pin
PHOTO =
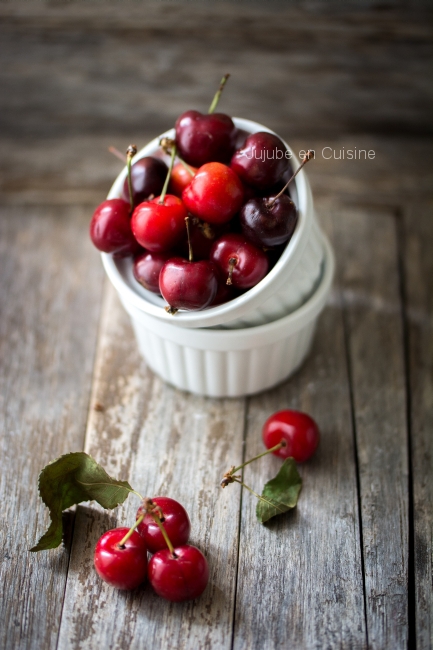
(205, 138)
(261, 161)
(179, 578)
(147, 175)
(147, 268)
(110, 228)
(159, 227)
(215, 194)
(188, 285)
(251, 262)
(268, 226)
(124, 568)
(298, 429)
(180, 178)
(176, 523)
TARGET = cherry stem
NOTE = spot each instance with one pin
(281, 444)
(186, 166)
(308, 156)
(167, 178)
(190, 255)
(218, 94)
(160, 525)
(167, 145)
(130, 153)
(232, 263)
(117, 153)
(130, 531)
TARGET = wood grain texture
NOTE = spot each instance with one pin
(417, 235)
(300, 576)
(368, 270)
(49, 312)
(168, 443)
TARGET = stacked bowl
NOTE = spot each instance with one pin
(252, 342)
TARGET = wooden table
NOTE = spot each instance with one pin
(351, 567)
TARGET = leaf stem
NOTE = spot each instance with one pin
(130, 531)
(260, 498)
(218, 94)
(167, 178)
(268, 451)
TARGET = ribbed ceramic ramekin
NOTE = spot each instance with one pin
(285, 287)
(221, 363)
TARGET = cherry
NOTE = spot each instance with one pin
(242, 264)
(267, 223)
(215, 194)
(180, 576)
(224, 293)
(124, 567)
(299, 431)
(188, 285)
(261, 161)
(157, 226)
(206, 138)
(110, 228)
(176, 523)
(147, 268)
(147, 177)
(181, 177)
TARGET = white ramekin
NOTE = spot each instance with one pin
(222, 363)
(284, 289)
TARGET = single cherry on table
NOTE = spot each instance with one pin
(122, 566)
(182, 575)
(176, 522)
(299, 431)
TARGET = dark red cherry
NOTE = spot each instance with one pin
(183, 576)
(205, 138)
(147, 268)
(262, 160)
(266, 223)
(239, 261)
(175, 520)
(180, 178)
(224, 293)
(188, 285)
(110, 228)
(215, 194)
(158, 227)
(124, 567)
(147, 176)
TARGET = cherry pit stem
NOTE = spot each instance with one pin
(130, 531)
(167, 145)
(190, 255)
(117, 153)
(167, 178)
(150, 507)
(308, 156)
(218, 94)
(130, 153)
(229, 477)
(232, 263)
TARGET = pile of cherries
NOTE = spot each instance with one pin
(177, 571)
(209, 227)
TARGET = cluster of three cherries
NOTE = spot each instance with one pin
(177, 571)
(233, 203)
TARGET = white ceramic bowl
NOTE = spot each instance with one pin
(285, 287)
(232, 363)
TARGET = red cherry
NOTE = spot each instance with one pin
(261, 161)
(110, 228)
(298, 429)
(224, 293)
(180, 178)
(239, 260)
(147, 268)
(215, 193)
(147, 176)
(179, 578)
(122, 567)
(205, 138)
(158, 227)
(188, 285)
(176, 523)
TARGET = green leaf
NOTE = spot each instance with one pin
(281, 493)
(69, 480)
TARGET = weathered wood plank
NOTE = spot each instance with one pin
(417, 236)
(300, 577)
(49, 312)
(368, 269)
(164, 442)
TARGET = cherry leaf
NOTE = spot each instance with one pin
(280, 494)
(69, 480)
